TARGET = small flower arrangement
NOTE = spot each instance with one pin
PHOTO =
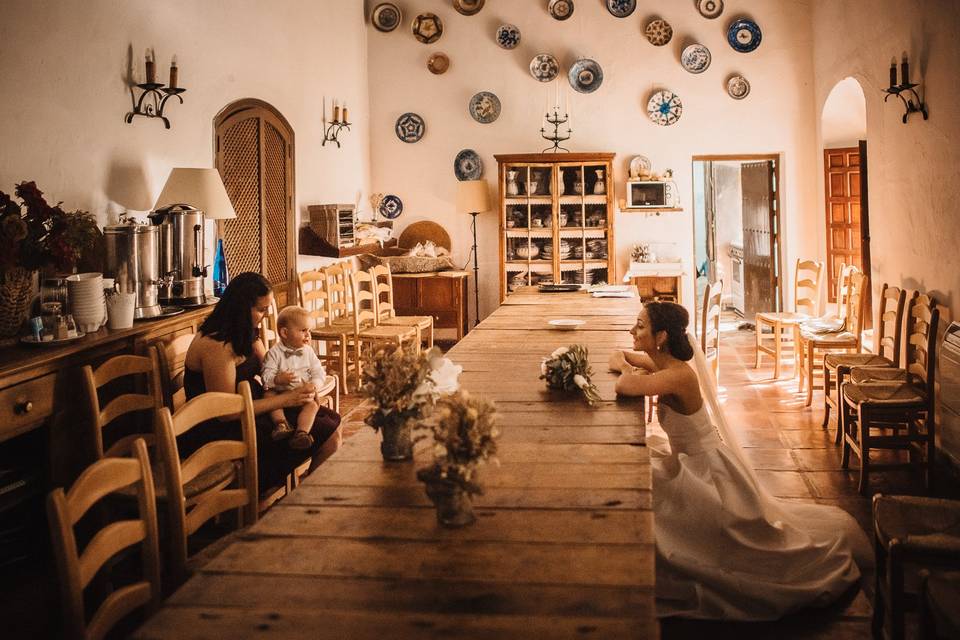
(465, 435)
(568, 369)
(640, 253)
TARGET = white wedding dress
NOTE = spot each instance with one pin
(727, 549)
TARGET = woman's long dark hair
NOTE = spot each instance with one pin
(672, 318)
(230, 320)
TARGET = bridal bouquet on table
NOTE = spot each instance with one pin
(568, 369)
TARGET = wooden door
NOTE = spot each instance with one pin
(842, 183)
(761, 241)
(254, 154)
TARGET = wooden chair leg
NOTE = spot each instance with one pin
(863, 423)
(811, 362)
(777, 348)
(826, 394)
(879, 583)
(430, 336)
(759, 324)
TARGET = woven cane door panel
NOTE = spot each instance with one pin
(240, 169)
(276, 266)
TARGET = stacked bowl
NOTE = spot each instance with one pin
(85, 292)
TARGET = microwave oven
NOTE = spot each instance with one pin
(651, 195)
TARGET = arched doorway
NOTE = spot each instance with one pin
(254, 147)
(844, 131)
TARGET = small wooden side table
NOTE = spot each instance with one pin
(441, 294)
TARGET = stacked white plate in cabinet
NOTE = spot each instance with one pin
(85, 291)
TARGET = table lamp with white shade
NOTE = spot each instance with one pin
(188, 197)
(473, 197)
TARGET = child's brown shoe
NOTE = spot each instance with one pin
(301, 440)
(281, 431)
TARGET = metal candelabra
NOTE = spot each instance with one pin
(556, 120)
(332, 132)
(152, 100)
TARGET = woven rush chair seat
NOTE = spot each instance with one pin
(783, 317)
(861, 375)
(851, 360)
(891, 393)
(841, 338)
(918, 518)
(217, 476)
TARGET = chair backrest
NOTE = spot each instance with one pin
(125, 403)
(339, 301)
(808, 280)
(857, 305)
(364, 302)
(207, 406)
(269, 331)
(312, 291)
(890, 318)
(922, 340)
(844, 275)
(383, 282)
(76, 570)
(710, 319)
(171, 357)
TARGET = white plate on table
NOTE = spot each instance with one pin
(565, 324)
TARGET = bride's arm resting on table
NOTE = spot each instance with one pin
(623, 357)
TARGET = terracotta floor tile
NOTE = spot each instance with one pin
(771, 459)
(785, 483)
(815, 438)
(818, 459)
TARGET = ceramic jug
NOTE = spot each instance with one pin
(512, 187)
(599, 187)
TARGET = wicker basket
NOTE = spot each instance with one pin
(16, 291)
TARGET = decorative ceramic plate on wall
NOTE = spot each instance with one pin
(664, 108)
(390, 207)
(484, 107)
(386, 17)
(737, 87)
(410, 127)
(438, 63)
(427, 28)
(544, 67)
(744, 35)
(508, 36)
(639, 165)
(695, 58)
(621, 8)
(468, 165)
(585, 75)
(468, 7)
(658, 32)
(710, 8)
(560, 9)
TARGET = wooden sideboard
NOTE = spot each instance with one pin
(442, 294)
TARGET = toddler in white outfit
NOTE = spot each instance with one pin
(290, 363)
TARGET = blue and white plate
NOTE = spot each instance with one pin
(468, 165)
(695, 58)
(621, 8)
(410, 127)
(390, 207)
(484, 107)
(585, 75)
(744, 35)
(386, 17)
(508, 36)
(544, 67)
(560, 9)
(664, 108)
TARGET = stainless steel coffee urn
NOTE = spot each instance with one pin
(132, 262)
(181, 253)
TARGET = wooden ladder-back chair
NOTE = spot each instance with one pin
(896, 414)
(76, 570)
(710, 325)
(807, 283)
(917, 321)
(387, 313)
(335, 337)
(184, 518)
(101, 417)
(365, 327)
(171, 356)
(269, 332)
(888, 352)
(812, 343)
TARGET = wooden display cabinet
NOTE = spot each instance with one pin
(556, 219)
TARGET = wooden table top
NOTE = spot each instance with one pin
(562, 546)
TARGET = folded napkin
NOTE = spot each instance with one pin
(824, 324)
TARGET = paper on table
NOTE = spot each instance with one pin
(613, 294)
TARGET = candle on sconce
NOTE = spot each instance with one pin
(151, 70)
(336, 112)
(345, 118)
(893, 72)
(173, 72)
(904, 71)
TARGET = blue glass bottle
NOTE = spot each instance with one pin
(220, 275)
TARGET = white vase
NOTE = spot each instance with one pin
(599, 187)
(512, 187)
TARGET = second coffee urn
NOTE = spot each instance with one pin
(181, 254)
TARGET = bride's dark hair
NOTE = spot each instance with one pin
(672, 318)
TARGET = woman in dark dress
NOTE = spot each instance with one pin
(227, 351)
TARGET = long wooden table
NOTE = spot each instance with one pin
(563, 544)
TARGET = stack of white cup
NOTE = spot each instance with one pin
(85, 292)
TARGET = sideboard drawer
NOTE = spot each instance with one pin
(445, 319)
(25, 404)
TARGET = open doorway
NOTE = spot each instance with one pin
(736, 235)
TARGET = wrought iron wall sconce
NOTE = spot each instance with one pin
(154, 95)
(332, 130)
(556, 120)
(912, 102)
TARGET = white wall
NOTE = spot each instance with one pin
(777, 117)
(63, 69)
(843, 121)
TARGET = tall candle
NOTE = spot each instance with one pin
(893, 72)
(336, 111)
(345, 118)
(151, 75)
(904, 71)
(173, 72)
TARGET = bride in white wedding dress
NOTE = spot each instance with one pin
(726, 548)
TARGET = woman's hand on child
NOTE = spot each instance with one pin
(283, 378)
(299, 395)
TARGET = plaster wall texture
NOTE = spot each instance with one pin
(777, 117)
(64, 65)
(914, 224)
(844, 117)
